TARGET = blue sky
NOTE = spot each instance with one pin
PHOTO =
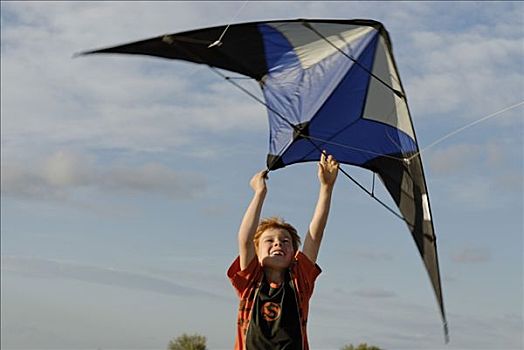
(124, 180)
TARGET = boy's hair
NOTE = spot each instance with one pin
(279, 223)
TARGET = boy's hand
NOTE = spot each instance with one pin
(327, 170)
(258, 182)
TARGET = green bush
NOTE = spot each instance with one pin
(188, 342)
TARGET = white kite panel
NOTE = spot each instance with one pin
(312, 48)
(382, 103)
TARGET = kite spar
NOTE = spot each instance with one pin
(328, 85)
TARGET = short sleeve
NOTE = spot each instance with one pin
(242, 279)
(308, 272)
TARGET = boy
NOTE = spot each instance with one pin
(273, 279)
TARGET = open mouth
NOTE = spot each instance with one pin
(277, 253)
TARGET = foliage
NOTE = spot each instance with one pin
(188, 342)
(362, 346)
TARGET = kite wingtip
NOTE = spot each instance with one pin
(78, 54)
(446, 332)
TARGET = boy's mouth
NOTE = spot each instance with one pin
(277, 253)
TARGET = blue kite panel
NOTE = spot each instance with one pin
(278, 50)
(350, 138)
(356, 145)
(295, 95)
(346, 103)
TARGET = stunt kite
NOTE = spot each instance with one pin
(328, 85)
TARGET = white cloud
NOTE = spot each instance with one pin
(466, 73)
(477, 191)
(45, 268)
(66, 169)
(60, 174)
(153, 178)
(463, 158)
(372, 255)
(474, 174)
(373, 293)
(472, 256)
(456, 159)
(143, 103)
(474, 193)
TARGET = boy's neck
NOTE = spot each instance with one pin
(275, 277)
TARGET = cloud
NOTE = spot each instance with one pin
(460, 158)
(457, 61)
(60, 174)
(485, 332)
(449, 160)
(464, 73)
(109, 101)
(399, 323)
(479, 190)
(474, 193)
(373, 293)
(474, 174)
(45, 268)
(472, 256)
(372, 255)
(215, 211)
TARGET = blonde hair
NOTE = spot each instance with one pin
(278, 223)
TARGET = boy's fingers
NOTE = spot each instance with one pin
(327, 161)
(323, 157)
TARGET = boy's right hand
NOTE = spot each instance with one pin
(258, 182)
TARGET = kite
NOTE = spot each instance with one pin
(328, 85)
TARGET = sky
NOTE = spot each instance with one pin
(124, 180)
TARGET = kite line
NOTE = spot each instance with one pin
(219, 41)
(462, 128)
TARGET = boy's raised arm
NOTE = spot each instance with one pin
(327, 174)
(249, 224)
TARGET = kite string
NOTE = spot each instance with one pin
(219, 41)
(349, 147)
(466, 127)
(372, 195)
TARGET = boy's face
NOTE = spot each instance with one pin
(275, 248)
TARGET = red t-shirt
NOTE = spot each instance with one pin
(246, 283)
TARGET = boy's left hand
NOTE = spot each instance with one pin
(327, 170)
